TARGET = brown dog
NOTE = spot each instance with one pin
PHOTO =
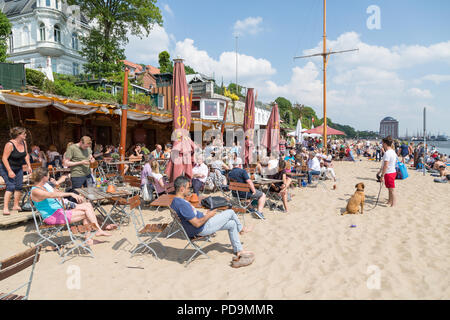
(356, 201)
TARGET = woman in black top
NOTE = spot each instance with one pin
(15, 155)
(281, 187)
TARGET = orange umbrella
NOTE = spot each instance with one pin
(183, 147)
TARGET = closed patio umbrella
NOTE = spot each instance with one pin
(271, 138)
(249, 126)
(183, 147)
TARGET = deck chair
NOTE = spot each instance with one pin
(191, 241)
(242, 203)
(145, 233)
(46, 232)
(97, 171)
(15, 264)
(120, 203)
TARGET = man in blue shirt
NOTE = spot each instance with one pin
(240, 175)
(198, 224)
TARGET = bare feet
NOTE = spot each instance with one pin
(102, 233)
(6, 213)
(245, 230)
(111, 227)
(17, 208)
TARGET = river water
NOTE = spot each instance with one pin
(442, 146)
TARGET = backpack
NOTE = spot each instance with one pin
(215, 202)
(26, 202)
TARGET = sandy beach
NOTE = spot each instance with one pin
(311, 252)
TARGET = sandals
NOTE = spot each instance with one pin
(242, 262)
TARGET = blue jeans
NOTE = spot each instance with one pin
(226, 220)
(312, 173)
(12, 184)
(78, 182)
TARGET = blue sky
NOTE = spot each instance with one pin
(400, 68)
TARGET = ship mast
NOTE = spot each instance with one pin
(325, 56)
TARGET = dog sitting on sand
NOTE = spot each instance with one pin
(356, 201)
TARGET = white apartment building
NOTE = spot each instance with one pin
(43, 29)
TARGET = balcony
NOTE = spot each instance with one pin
(50, 48)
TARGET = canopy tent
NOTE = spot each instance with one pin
(330, 131)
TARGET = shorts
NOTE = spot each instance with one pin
(58, 217)
(389, 180)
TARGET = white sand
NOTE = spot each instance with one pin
(309, 253)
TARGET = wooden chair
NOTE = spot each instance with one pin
(145, 233)
(242, 203)
(15, 264)
(191, 241)
(36, 165)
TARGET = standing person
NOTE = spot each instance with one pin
(15, 155)
(387, 170)
(404, 150)
(78, 159)
(410, 152)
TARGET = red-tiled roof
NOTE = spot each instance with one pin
(138, 67)
(152, 69)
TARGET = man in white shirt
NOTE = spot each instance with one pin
(313, 166)
(387, 170)
(199, 175)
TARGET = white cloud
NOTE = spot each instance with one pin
(168, 9)
(250, 25)
(419, 93)
(146, 50)
(248, 67)
(436, 78)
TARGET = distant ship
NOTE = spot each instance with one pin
(441, 138)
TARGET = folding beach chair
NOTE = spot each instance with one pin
(15, 264)
(97, 171)
(191, 241)
(44, 231)
(79, 236)
(242, 203)
(145, 233)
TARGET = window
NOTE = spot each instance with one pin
(57, 4)
(210, 108)
(195, 105)
(75, 69)
(57, 34)
(54, 67)
(11, 42)
(221, 109)
(47, 3)
(42, 31)
(25, 35)
(74, 41)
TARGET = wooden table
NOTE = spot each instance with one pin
(165, 200)
(96, 195)
(265, 182)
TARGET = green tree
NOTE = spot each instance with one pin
(5, 30)
(116, 19)
(189, 70)
(165, 64)
(237, 90)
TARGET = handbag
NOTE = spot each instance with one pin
(26, 202)
(215, 202)
(145, 194)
